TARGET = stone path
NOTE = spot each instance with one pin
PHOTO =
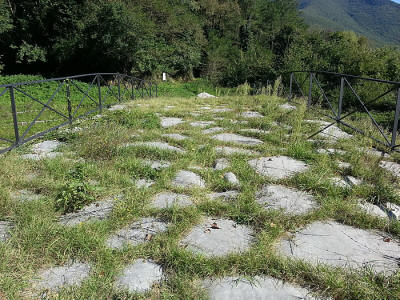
(144, 183)
(251, 114)
(236, 139)
(43, 150)
(188, 179)
(231, 151)
(340, 245)
(157, 145)
(226, 196)
(5, 229)
(96, 211)
(137, 233)
(212, 130)
(218, 237)
(392, 167)
(140, 276)
(221, 164)
(202, 124)
(168, 200)
(170, 122)
(290, 200)
(259, 287)
(278, 167)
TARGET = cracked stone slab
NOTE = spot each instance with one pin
(202, 124)
(140, 276)
(187, 179)
(5, 229)
(55, 278)
(226, 196)
(236, 139)
(157, 164)
(170, 122)
(392, 167)
(340, 245)
(373, 210)
(25, 195)
(168, 200)
(251, 114)
(205, 95)
(43, 150)
(93, 212)
(158, 146)
(175, 136)
(221, 164)
(278, 167)
(137, 233)
(144, 183)
(231, 151)
(334, 133)
(212, 130)
(231, 179)
(287, 106)
(218, 237)
(258, 287)
(117, 107)
(290, 200)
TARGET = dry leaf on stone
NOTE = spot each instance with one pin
(214, 226)
(148, 237)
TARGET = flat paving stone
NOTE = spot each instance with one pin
(140, 276)
(144, 183)
(287, 106)
(340, 245)
(43, 150)
(218, 237)
(157, 145)
(343, 165)
(188, 179)
(292, 201)
(335, 133)
(277, 167)
(236, 139)
(170, 122)
(212, 130)
(137, 233)
(392, 167)
(221, 164)
(231, 179)
(93, 212)
(117, 107)
(56, 278)
(202, 124)
(5, 229)
(251, 114)
(205, 95)
(157, 164)
(346, 181)
(331, 151)
(24, 196)
(373, 210)
(231, 151)
(221, 110)
(255, 130)
(175, 136)
(393, 210)
(169, 199)
(226, 196)
(257, 288)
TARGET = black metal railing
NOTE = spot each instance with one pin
(346, 96)
(29, 110)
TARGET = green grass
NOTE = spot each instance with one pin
(38, 241)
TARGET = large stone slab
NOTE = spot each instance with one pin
(287, 106)
(226, 196)
(56, 278)
(221, 164)
(175, 136)
(290, 200)
(94, 212)
(170, 122)
(117, 107)
(188, 179)
(5, 229)
(202, 124)
(157, 164)
(43, 150)
(168, 200)
(140, 276)
(236, 139)
(258, 288)
(218, 237)
(251, 114)
(157, 145)
(278, 167)
(231, 151)
(373, 210)
(340, 245)
(205, 95)
(334, 133)
(212, 130)
(137, 233)
(392, 167)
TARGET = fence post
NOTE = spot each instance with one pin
(290, 87)
(119, 88)
(69, 103)
(99, 90)
(340, 105)
(14, 114)
(396, 120)
(156, 90)
(133, 90)
(151, 87)
(310, 90)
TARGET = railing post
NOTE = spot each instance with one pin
(133, 89)
(14, 114)
(290, 87)
(99, 90)
(156, 90)
(69, 103)
(340, 105)
(310, 90)
(151, 87)
(396, 120)
(119, 88)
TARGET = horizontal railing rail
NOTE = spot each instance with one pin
(348, 98)
(64, 100)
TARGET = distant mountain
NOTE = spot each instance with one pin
(378, 20)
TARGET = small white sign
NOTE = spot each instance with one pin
(164, 76)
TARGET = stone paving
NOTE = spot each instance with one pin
(278, 167)
(188, 179)
(169, 199)
(236, 139)
(5, 230)
(43, 150)
(157, 145)
(170, 122)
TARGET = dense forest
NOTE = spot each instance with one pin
(226, 41)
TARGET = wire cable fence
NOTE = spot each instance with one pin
(368, 106)
(29, 110)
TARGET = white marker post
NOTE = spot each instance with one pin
(164, 76)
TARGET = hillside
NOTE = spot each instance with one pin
(379, 20)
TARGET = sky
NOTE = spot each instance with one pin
(397, 1)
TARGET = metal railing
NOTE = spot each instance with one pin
(338, 94)
(63, 100)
